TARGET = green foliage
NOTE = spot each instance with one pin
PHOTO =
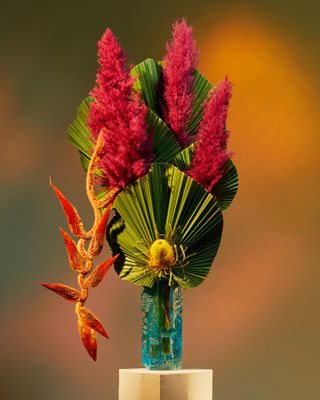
(184, 158)
(201, 88)
(165, 144)
(167, 204)
(227, 187)
(147, 75)
(80, 136)
(79, 133)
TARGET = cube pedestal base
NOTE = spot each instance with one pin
(183, 384)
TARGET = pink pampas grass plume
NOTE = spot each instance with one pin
(178, 76)
(211, 154)
(127, 149)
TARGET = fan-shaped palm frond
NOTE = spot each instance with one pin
(165, 204)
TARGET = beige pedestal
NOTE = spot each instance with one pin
(184, 384)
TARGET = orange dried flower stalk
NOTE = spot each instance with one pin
(91, 320)
(97, 275)
(74, 256)
(81, 256)
(65, 291)
(73, 218)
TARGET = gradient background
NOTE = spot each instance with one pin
(255, 320)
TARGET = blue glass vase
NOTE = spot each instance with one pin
(162, 326)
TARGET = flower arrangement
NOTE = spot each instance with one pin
(153, 141)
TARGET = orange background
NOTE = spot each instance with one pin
(255, 320)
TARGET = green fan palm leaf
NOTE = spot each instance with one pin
(166, 204)
(80, 136)
(227, 187)
(78, 133)
(184, 158)
(165, 144)
(201, 88)
(147, 75)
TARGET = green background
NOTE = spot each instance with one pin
(255, 320)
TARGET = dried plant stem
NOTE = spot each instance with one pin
(108, 198)
(86, 255)
(90, 176)
(82, 253)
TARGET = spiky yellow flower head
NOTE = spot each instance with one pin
(161, 254)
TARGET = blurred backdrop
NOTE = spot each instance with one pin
(255, 320)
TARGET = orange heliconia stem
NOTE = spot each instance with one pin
(91, 320)
(98, 237)
(74, 256)
(88, 338)
(97, 275)
(81, 257)
(73, 217)
(65, 291)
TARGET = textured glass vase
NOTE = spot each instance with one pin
(162, 326)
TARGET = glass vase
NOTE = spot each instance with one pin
(162, 326)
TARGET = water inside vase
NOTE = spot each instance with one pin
(162, 326)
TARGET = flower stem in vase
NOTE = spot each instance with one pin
(162, 326)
